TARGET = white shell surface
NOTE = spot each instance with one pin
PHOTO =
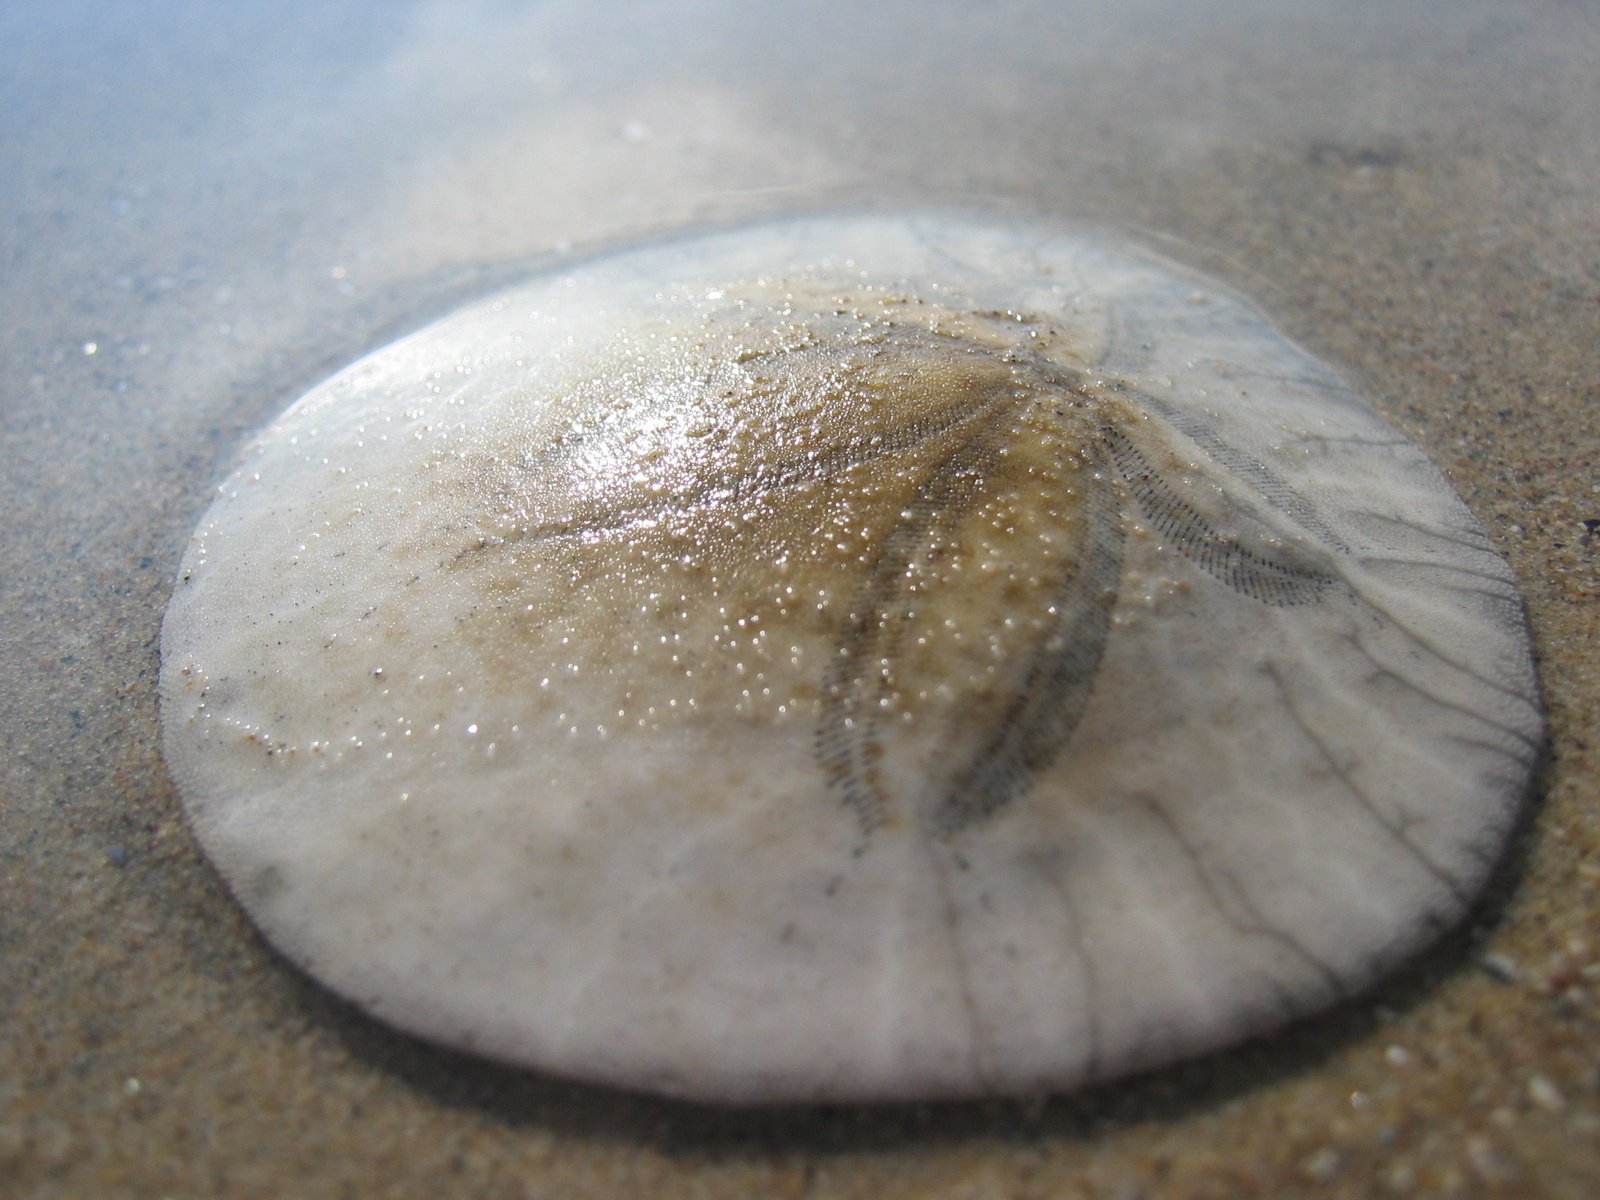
(852, 657)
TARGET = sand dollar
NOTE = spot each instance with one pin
(850, 657)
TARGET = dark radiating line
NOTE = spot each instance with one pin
(849, 734)
(1249, 572)
(1468, 539)
(1256, 925)
(1395, 829)
(1277, 491)
(1049, 703)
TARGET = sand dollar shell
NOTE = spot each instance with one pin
(848, 657)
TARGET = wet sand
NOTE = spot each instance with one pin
(200, 218)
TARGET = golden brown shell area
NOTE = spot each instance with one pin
(699, 524)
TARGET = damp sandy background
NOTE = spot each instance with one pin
(203, 212)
